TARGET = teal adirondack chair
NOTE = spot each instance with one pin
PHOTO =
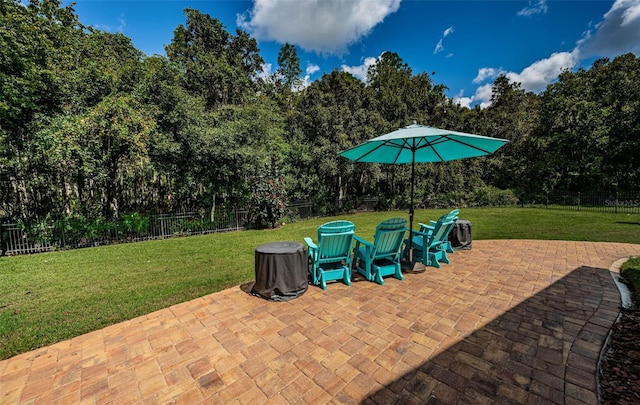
(451, 215)
(416, 243)
(330, 259)
(432, 249)
(382, 257)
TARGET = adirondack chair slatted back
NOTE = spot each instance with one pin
(449, 216)
(334, 240)
(389, 236)
(441, 233)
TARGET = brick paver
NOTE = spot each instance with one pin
(506, 322)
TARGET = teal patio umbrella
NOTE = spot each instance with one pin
(421, 144)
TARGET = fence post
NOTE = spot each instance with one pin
(546, 200)
(578, 201)
(616, 208)
(522, 200)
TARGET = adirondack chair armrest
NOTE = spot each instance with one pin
(426, 228)
(358, 239)
(418, 233)
(310, 243)
(369, 247)
(313, 248)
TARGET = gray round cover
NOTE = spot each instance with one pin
(460, 236)
(281, 271)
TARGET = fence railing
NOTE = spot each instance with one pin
(16, 239)
(624, 203)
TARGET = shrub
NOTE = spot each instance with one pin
(489, 196)
(267, 203)
(133, 225)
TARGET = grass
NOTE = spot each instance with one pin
(631, 274)
(49, 297)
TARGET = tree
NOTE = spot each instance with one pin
(95, 158)
(336, 113)
(390, 79)
(589, 124)
(289, 66)
(215, 64)
(513, 114)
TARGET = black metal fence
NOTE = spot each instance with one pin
(613, 202)
(16, 239)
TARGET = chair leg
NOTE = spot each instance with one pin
(365, 268)
(445, 258)
(370, 271)
(432, 260)
(398, 273)
(312, 273)
(377, 276)
(347, 275)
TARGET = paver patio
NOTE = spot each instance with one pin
(506, 322)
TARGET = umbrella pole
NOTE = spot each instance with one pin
(413, 168)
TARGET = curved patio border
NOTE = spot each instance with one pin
(512, 321)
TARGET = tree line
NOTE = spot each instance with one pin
(91, 127)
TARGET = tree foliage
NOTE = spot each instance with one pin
(92, 129)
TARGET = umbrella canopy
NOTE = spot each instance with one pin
(422, 144)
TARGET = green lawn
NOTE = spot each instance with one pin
(49, 297)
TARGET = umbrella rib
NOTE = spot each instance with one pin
(471, 146)
(383, 144)
(445, 138)
(399, 147)
(369, 152)
(428, 144)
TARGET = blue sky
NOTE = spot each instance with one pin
(465, 44)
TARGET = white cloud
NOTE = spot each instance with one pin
(487, 73)
(311, 69)
(534, 77)
(540, 7)
(302, 83)
(306, 80)
(483, 95)
(463, 101)
(439, 47)
(360, 71)
(539, 74)
(111, 28)
(460, 99)
(618, 33)
(322, 26)
(265, 73)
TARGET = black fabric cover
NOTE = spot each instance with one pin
(460, 236)
(281, 271)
